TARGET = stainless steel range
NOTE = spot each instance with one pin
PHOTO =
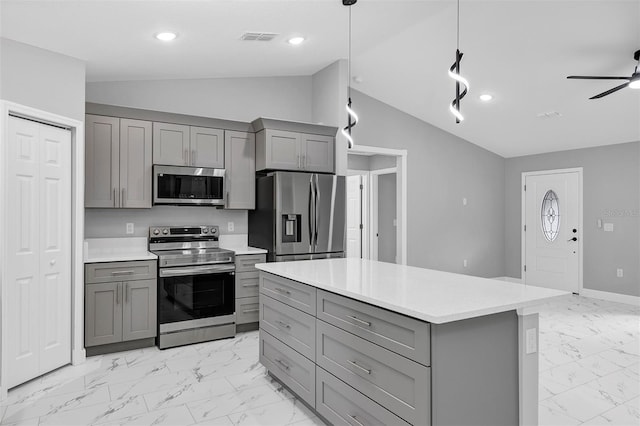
(196, 285)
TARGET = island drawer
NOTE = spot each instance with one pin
(398, 333)
(400, 385)
(247, 284)
(295, 328)
(343, 405)
(293, 369)
(247, 262)
(104, 272)
(289, 292)
(247, 310)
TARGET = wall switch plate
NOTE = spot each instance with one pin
(230, 226)
(464, 201)
(619, 273)
(608, 227)
(395, 222)
(464, 263)
(531, 341)
(130, 228)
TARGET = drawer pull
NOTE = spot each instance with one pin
(249, 285)
(122, 272)
(356, 319)
(283, 364)
(355, 364)
(355, 419)
(282, 290)
(283, 324)
(249, 311)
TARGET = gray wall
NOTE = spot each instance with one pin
(386, 214)
(104, 223)
(370, 162)
(442, 170)
(240, 99)
(42, 79)
(611, 182)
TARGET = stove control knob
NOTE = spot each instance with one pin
(165, 232)
(205, 230)
(214, 231)
(156, 231)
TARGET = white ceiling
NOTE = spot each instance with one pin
(519, 51)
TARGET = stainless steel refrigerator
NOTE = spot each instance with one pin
(299, 216)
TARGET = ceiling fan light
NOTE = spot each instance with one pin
(635, 84)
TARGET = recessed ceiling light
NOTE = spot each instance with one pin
(486, 97)
(635, 84)
(296, 40)
(166, 36)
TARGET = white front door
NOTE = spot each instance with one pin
(38, 181)
(354, 216)
(552, 230)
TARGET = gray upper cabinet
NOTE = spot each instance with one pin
(171, 144)
(287, 150)
(240, 161)
(179, 145)
(117, 162)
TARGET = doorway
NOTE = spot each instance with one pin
(376, 204)
(552, 247)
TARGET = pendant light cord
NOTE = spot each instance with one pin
(458, 27)
(349, 84)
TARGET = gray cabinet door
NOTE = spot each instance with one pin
(135, 163)
(103, 314)
(139, 312)
(240, 165)
(171, 144)
(318, 153)
(278, 150)
(102, 144)
(207, 147)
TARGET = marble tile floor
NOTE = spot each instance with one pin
(589, 374)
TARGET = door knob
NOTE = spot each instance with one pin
(575, 230)
(573, 239)
(52, 262)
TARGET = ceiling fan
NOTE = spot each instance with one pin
(633, 81)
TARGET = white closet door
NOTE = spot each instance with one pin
(38, 249)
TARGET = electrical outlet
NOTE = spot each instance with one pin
(619, 273)
(464, 201)
(130, 228)
(230, 226)
(608, 227)
(531, 341)
(464, 263)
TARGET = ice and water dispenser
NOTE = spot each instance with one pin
(291, 228)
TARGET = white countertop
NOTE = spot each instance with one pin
(116, 249)
(238, 243)
(425, 294)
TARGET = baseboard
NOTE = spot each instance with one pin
(611, 297)
(78, 356)
(509, 279)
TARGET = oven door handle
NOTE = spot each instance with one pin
(196, 270)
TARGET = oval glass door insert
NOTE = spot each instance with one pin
(550, 216)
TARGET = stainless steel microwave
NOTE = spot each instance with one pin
(189, 186)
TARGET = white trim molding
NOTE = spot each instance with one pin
(78, 353)
(611, 297)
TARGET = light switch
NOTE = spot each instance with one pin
(130, 228)
(608, 227)
(531, 336)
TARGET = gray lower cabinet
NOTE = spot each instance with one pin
(119, 309)
(117, 162)
(247, 284)
(240, 167)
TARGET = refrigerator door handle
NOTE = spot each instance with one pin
(317, 212)
(311, 212)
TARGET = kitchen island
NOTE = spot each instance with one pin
(366, 342)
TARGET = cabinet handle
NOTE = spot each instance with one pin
(355, 364)
(355, 419)
(367, 323)
(299, 165)
(282, 290)
(118, 294)
(193, 157)
(122, 272)
(283, 364)
(115, 197)
(283, 324)
(124, 198)
(186, 157)
(304, 161)
(249, 285)
(249, 311)
(126, 293)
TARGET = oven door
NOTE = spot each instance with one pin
(188, 185)
(194, 296)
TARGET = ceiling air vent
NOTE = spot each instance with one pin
(255, 36)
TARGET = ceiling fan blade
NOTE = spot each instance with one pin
(587, 77)
(610, 91)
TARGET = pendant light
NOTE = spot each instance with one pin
(352, 117)
(454, 73)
